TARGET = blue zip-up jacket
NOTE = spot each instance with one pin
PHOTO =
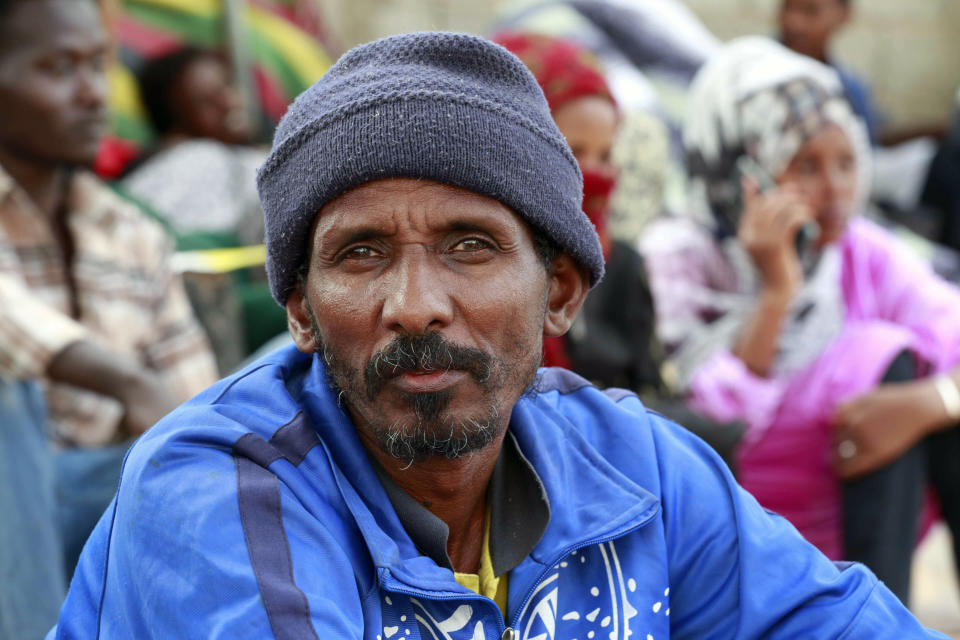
(253, 511)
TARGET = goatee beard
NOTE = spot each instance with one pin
(430, 430)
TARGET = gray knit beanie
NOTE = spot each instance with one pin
(448, 107)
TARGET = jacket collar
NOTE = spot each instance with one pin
(519, 512)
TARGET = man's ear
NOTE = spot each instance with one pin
(569, 285)
(298, 321)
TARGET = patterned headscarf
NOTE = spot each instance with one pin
(757, 98)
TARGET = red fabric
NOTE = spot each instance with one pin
(555, 352)
(564, 69)
(597, 189)
(113, 156)
(144, 39)
(272, 98)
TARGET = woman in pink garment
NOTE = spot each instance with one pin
(835, 345)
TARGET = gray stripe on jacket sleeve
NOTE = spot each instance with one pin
(258, 493)
(261, 515)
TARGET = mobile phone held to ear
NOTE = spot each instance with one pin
(807, 234)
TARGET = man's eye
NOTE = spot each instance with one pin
(59, 66)
(358, 253)
(100, 61)
(471, 244)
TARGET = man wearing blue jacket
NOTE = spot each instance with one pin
(406, 471)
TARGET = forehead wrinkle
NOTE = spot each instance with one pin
(377, 212)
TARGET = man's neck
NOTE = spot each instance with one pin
(454, 491)
(44, 183)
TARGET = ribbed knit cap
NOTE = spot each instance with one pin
(448, 107)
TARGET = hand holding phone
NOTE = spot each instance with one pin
(808, 233)
(776, 227)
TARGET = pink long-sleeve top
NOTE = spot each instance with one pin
(893, 302)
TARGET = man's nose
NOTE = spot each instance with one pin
(415, 299)
(91, 87)
(836, 183)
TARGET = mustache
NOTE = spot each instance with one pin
(427, 352)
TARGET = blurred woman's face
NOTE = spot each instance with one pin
(207, 104)
(825, 172)
(590, 125)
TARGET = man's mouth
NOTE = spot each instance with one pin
(424, 364)
(424, 381)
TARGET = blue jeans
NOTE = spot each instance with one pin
(86, 481)
(32, 581)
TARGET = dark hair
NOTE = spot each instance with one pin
(6, 6)
(157, 79)
(547, 250)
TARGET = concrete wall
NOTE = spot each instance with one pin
(908, 50)
(356, 21)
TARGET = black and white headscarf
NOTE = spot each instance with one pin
(759, 99)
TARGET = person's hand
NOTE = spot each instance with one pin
(876, 428)
(768, 230)
(145, 401)
(90, 365)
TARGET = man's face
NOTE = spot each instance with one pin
(806, 25)
(53, 84)
(428, 303)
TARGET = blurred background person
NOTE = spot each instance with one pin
(194, 88)
(88, 304)
(200, 173)
(649, 51)
(901, 164)
(808, 27)
(612, 342)
(941, 189)
(199, 179)
(841, 354)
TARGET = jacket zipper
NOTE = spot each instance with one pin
(576, 547)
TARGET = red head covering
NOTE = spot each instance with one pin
(564, 69)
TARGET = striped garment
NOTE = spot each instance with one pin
(285, 43)
(128, 301)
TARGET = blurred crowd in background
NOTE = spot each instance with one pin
(131, 255)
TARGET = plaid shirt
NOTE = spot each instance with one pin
(130, 303)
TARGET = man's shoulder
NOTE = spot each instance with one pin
(573, 395)
(229, 418)
(616, 424)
